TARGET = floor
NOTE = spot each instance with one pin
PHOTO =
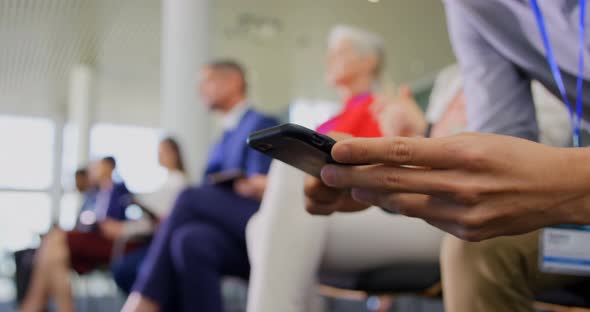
(405, 305)
(96, 293)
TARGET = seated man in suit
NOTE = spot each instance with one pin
(83, 249)
(204, 236)
(86, 188)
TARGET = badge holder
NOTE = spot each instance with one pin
(565, 249)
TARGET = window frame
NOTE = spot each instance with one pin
(55, 189)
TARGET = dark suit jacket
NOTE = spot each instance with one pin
(233, 153)
(120, 199)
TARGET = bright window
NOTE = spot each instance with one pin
(136, 152)
(26, 159)
(23, 215)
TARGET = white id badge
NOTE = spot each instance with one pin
(565, 249)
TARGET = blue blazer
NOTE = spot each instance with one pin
(120, 199)
(233, 153)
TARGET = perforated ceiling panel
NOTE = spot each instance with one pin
(281, 42)
(40, 40)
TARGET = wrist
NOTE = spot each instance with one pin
(576, 212)
(577, 209)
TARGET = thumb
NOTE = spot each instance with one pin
(405, 91)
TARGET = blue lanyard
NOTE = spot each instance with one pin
(576, 117)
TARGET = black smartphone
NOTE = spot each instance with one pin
(295, 145)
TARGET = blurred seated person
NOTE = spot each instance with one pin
(288, 247)
(203, 239)
(156, 207)
(88, 190)
(83, 249)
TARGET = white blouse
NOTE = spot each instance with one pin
(159, 202)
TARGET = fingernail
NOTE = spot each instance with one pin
(342, 152)
(362, 196)
(329, 175)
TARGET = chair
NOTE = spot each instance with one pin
(380, 288)
(100, 279)
(571, 299)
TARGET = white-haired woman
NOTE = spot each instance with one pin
(286, 245)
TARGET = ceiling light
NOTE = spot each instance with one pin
(374, 1)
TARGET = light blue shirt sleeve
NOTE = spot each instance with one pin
(498, 96)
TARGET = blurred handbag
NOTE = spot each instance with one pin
(24, 269)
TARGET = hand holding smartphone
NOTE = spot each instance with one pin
(308, 151)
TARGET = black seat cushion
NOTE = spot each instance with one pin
(417, 277)
(396, 278)
(576, 296)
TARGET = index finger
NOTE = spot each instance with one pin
(339, 136)
(433, 153)
(316, 189)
